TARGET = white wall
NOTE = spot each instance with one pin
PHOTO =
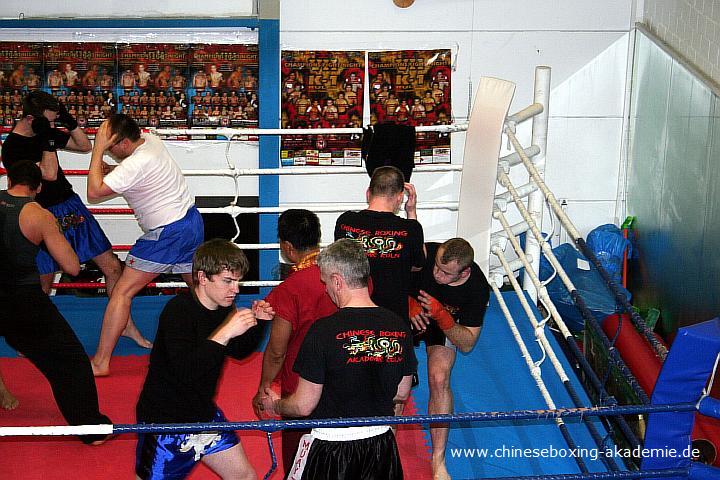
(585, 43)
(14, 9)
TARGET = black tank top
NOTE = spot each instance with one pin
(17, 253)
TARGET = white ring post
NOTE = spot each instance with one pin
(536, 199)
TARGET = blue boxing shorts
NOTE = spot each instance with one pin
(174, 455)
(169, 249)
(81, 230)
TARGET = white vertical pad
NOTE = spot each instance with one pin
(479, 174)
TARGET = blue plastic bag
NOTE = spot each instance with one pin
(608, 245)
(588, 283)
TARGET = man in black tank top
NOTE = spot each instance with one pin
(30, 322)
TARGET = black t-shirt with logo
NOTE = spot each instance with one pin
(466, 302)
(359, 355)
(18, 147)
(394, 245)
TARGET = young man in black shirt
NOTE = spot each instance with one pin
(195, 332)
(357, 362)
(447, 313)
(35, 138)
(394, 245)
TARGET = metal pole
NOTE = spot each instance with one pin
(536, 199)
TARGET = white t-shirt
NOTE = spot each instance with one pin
(152, 185)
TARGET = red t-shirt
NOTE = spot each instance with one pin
(300, 299)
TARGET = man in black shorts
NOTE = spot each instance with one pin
(35, 138)
(447, 313)
(29, 321)
(394, 245)
(357, 362)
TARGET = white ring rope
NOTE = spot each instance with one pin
(538, 327)
(535, 175)
(320, 170)
(542, 290)
(101, 429)
(534, 369)
(234, 132)
(318, 208)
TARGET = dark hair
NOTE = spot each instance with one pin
(37, 101)
(299, 227)
(217, 255)
(387, 181)
(124, 126)
(347, 258)
(25, 172)
(457, 249)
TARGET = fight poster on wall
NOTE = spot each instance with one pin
(322, 89)
(224, 87)
(82, 77)
(153, 83)
(20, 71)
(412, 87)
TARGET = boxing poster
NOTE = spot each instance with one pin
(82, 77)
(152, 82)
(412, 87)
(322, 89)
(224, 87)
(20, 71)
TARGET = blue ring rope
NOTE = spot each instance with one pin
(605, 397)
(607, 461)
(276, 425)
(573, 446)
(270, 426)
(672, 472)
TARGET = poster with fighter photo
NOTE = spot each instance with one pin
(322, 89)
(224, 87)
(82, 77)
(20, 71)
(153, 80)
(412, 87)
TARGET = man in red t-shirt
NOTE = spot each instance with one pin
(298, 302)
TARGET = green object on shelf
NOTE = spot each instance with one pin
(652, 317)
(628, 223)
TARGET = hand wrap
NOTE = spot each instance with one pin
(443, 318)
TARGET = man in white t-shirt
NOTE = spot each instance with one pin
(154, 187)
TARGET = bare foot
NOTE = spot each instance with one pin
(100, 370)
(132, 332)
(97, 443)
(440, 472)
(8, 400)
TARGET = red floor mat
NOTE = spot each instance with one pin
(51, 458)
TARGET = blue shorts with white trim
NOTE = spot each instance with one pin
(170, 248)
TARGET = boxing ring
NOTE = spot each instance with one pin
(521, 409)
